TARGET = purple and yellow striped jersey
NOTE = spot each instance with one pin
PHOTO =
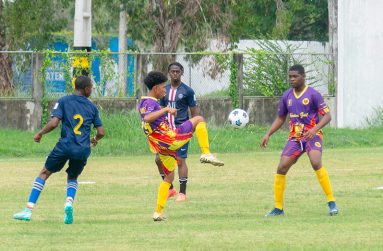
(159, 133)
(303, 109)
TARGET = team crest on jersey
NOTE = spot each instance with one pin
(290, 102)
(305, 101)
(317, 144)
(180, 96)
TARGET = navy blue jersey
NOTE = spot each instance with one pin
(180, 98)
(77, 114)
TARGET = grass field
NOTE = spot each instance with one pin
(225, 210)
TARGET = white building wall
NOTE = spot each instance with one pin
(360, 61)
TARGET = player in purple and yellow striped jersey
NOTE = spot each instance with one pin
(182, 97)
(305, 106)
(162, 139)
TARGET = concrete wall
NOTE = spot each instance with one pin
(23, 113)
(19, 114)
(112, 105)
(360, 61)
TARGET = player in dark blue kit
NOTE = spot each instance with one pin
(182, 97)
(77, 114)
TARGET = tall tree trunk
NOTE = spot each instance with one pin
(166, 42)
(6, 85)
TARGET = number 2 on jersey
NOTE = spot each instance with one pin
(81, 120)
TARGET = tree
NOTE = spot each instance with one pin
(6, 84)
(27, 25)
(252, 19)
(280, 19)
(309, 20)
(165, 25)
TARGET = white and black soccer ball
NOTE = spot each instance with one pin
(238, 118)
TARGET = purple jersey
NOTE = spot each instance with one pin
(149, 105)
(160, 135)
(303, 109)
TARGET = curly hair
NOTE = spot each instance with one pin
(154, 78)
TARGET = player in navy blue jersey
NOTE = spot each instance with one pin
(182, 97)
(77, 115)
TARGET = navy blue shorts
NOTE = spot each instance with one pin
(182, 152)
(61, 154)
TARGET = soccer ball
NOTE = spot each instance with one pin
(238, 118)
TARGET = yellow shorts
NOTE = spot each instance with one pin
(169, 157)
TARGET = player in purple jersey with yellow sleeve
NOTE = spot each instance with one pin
(304, 106)
(182, 97)
(162, 139)
(77, 115)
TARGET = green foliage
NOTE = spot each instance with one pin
(266, 69)
(376, 119)
(299, 20)
(252, 19)
(233, 91)
(124, 136)
(194, 22)
(42, 80)
(30, 24)
(309, 20)
(65, 61)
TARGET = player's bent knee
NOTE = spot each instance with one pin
(198, 119)
(45, 173)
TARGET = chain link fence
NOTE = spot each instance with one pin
(121, 75)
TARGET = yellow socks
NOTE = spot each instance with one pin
(324, 181)
(163, 191)
(279, 188)
(202, 137)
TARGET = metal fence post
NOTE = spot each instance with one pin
(141, 71)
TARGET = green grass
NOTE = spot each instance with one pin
(124, 136)
(225, 210)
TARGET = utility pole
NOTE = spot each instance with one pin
(122, 57)
(82, 37)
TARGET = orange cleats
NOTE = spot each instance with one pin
(172, 193)
(181, 197)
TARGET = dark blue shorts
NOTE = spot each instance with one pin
(182, 152)
(77, 157)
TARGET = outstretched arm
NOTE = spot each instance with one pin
(52, 124)
(278, 122)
